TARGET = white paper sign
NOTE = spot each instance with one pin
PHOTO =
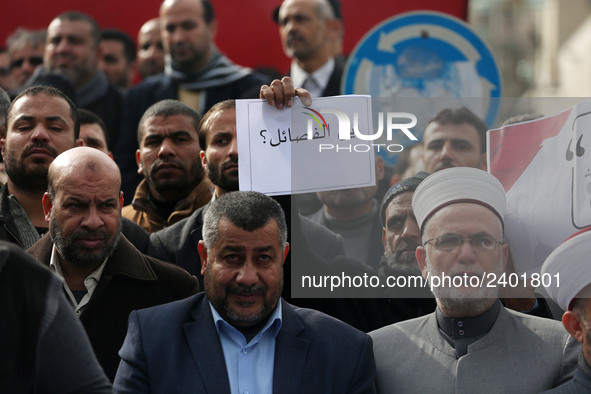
(545, 168)
(305, 149)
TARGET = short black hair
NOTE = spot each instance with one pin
(89, 117)
(204, 124)
(208, 11)
(4, 105)
(129, 47)
(50, 91)
(459, 116)
(165, 109)
(77, 16)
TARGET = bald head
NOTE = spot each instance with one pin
(85, 162)
(150, 26)
(150, 52)
(83, 207)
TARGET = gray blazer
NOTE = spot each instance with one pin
(520, 354)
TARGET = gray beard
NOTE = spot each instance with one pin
(67, 248)
(399, 263)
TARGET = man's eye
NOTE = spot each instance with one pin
(484, 242)
(182, 139)
(395, 224)
(232, 258)
(448, 241)
(462, 146)
(435, 146)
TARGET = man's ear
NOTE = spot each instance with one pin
(202, 250)
(121, 199)
(213, 28)
(334, 27)
(203, 159)
(140, 169)
(47, 206)
(3, 147)
(573, 324)
(285, 252)
(421, 255)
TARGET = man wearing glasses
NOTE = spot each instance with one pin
(25, 48)
(471, 342)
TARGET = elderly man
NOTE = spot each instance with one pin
(568, 281)
(454, 138)
(25, 48)
(470, 341)
(196, 74)
(104, 275)
(400, 238)
(309, 30)
(174, 184)
(240, 336)
(150, 52)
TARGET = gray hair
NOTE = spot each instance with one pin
(4, 104)
(247, 210)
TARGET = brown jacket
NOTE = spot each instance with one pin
(142, 211)
(130, 281)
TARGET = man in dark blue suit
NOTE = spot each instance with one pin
(240, 336)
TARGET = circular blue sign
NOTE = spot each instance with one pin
(424, 54)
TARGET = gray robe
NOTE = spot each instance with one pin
(520, 354)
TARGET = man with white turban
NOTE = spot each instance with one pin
(471, 342)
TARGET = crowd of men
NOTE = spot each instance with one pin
(131, 261)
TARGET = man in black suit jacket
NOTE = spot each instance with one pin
(240, 336)
(311, 32)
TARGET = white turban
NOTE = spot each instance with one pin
(569, 268)
(458, 185)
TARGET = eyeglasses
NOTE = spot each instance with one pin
(33, 61)
(450, 242)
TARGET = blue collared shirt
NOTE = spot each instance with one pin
(249, 365)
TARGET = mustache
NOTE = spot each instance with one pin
(39, 145)
(228, 163)
(246, 290)
(294, 35)
(405, 246)
(180, 45)
(159, 164)
(85, 234)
